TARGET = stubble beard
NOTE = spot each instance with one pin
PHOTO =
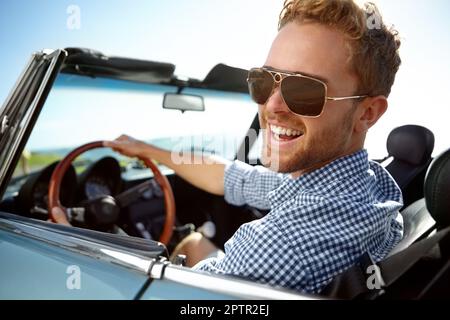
(314, 151)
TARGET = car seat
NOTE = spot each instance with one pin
(409, 149)
(427, 214)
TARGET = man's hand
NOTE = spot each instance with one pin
(129, 146)
(59, 216)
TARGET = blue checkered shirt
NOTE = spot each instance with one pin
(319, 224)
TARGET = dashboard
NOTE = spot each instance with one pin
(132, 194)
(98, 190)
(102, 178)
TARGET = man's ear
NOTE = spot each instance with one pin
(369, 111)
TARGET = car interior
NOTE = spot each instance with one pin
(409, 155)
(138, 209)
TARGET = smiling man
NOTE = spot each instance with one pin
(324, 84)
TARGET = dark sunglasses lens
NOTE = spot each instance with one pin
(260, 83)
(303, 96)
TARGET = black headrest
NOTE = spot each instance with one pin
(437, 189)
(411, 143)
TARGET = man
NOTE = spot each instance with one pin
(323, 85)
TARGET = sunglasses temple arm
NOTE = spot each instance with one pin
(345, 98)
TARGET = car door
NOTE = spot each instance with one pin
(42, 260)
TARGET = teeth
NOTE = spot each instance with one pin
(285, 131)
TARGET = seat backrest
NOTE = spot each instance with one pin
(410, 147)
(408, 264)
(437, 190)
(432, 211)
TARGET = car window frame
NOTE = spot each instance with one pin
(23, 106)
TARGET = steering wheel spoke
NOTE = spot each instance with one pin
(76, 214)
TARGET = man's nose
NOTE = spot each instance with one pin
(275, 103)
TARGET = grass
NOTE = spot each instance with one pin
(30, 162)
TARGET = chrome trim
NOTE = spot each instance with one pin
(228, 285)
(26, 118)
(17, 84)
(156, 270)
(4, 124)
(89, 248)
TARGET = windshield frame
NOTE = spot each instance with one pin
(23, 106)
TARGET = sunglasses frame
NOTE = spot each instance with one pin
(279, 76)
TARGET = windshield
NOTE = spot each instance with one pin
(81, 109)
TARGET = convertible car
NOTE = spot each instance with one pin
(124, 216)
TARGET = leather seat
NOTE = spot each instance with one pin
(437, 190)
(410, 148)
(431, 212)
(417, 223)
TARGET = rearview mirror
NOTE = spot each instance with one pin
(183, 102)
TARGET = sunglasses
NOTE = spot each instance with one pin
(303, 95)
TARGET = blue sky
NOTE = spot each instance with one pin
(197, 34)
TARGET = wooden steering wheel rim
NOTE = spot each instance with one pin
(63, 165)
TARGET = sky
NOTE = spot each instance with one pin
(197, 34)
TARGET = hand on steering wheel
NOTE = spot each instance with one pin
(58, 212)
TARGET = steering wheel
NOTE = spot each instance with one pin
(64, 164)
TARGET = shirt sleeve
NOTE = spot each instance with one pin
(246, 184)
(260, 252)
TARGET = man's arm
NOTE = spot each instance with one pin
(204, 172)
(246, 184)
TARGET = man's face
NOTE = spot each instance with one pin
(313, 50)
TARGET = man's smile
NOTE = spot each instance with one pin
(283, 137)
